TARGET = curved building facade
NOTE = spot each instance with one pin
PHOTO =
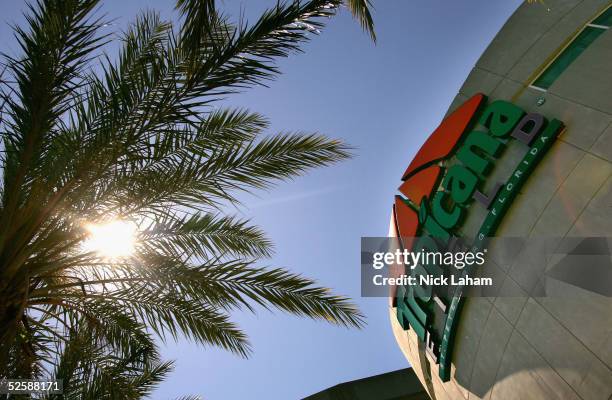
(551, 59)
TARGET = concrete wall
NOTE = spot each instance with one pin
(528, 347)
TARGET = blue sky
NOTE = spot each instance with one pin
(384, 100)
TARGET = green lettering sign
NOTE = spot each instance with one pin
(441, 216)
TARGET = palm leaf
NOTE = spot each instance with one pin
(145, 137)
(361, 12)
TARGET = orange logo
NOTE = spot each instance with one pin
(421, 176)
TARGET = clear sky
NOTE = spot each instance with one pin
(384, 100)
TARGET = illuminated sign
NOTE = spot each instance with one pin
(441, 184)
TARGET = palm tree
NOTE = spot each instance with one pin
(143, 142)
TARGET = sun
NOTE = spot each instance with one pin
(113, 239)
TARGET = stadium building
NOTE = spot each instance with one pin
(532, 128)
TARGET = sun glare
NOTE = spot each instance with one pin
(113, 239)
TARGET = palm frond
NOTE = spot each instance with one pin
(59, 43)
(93, 371)
(200, 18)
(239, 283)
(204, 236)
(361, 12)
(145, 138)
